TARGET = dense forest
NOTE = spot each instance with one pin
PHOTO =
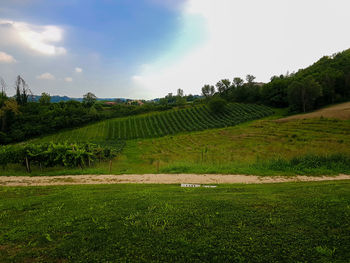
(325, 82)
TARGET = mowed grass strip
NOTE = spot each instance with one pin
(291, 222)
(163, 123)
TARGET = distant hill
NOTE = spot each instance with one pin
(57, 98)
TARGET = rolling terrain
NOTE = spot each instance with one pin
(160, 124)
(260, 147)
(339, 111)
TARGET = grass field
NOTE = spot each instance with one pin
(292, 222)
(256, 147)
(163, 123)
(339, 111)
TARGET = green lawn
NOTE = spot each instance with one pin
(291, 222)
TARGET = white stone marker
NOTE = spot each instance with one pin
(190, 185)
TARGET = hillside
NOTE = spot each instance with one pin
(260, 147)
(324, 83)
(340, 111)
(163, 123)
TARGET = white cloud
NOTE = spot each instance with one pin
(78, 70)
(46, 76)
(42, 39)
(6, 58)
(256, 37)
(68, 79)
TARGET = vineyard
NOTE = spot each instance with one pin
(164, 123)
(58, 154)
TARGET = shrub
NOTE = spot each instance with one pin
(217, 105)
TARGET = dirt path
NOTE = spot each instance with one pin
(157, 179)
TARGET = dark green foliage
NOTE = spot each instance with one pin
(325, 82)
(217, 105)
(329, 78)
(45, 98)
(303, 94)
(294, 222)
(58, 154)
(22, 91)
(208, 91)
(36, 119)
(275, 93)
(89, 99)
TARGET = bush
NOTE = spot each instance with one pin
(217, 105)
(58, 154)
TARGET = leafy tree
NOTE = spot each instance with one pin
(3, 88)
(93, 112)
(238, 82)
(9, 108)
(89, 99)
(180, 100)
(208, 91)
(45, 98)
(223, 86)
(217, 104)
(250, 79)
(303, 94)
(22, 91)
(275, 93)
(3, 96)
(180, 93)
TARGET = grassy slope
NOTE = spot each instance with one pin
(304, 222)
(239, 149)
(153, 125)
(339, 111)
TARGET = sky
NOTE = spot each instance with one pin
(144, 49)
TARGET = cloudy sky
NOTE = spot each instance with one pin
(148, 48)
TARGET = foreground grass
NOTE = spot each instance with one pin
(263, 147)
(292, 222)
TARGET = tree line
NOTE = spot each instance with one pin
(22, 118)
(325, 82)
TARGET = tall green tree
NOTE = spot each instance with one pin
(89, 99)
(238, 82)
(250, 79)
(9, 109)
(45, 98)
(223, 86)
(180, 92)
(22, 91)
(303, 94)
(208, 91)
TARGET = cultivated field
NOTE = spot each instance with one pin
(164, 123)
